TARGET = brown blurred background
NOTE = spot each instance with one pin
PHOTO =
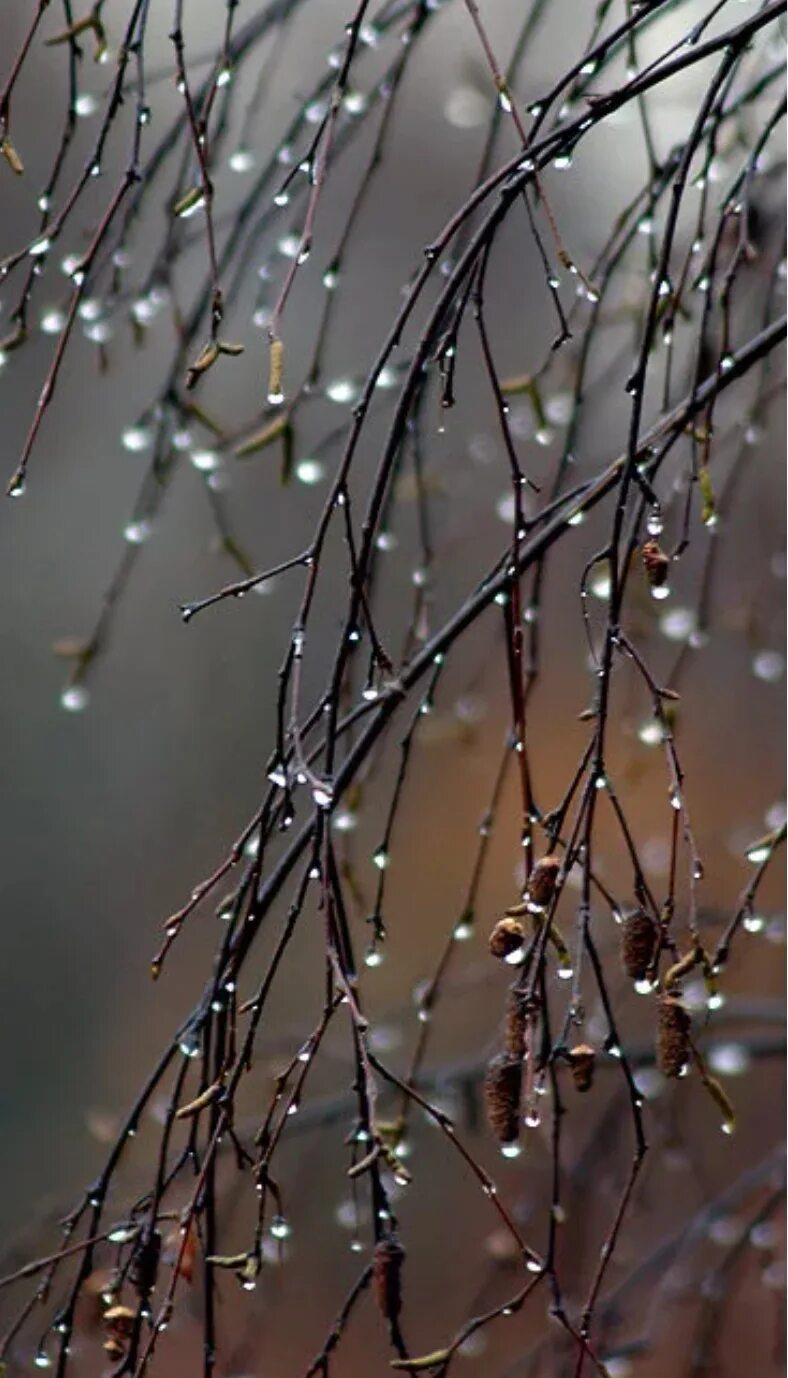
(111, 816)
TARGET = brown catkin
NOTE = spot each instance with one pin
(542, 880)
(387, 1260)
(506, 937)
(673, 1027)
(638, 940)
(514, 1032)
(656, 564)
(582, 1060)
(502, 1085)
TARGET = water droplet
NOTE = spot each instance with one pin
(122, 1234)
(373, 957)
(654, 522)
(381, 859)
(74, 698)
(345, 821)
(463, 931)
(137, 532)
(310, 471)
(754, 923)
(651, 733)
(515, 958)
(242, 160)
(136, 438)
(343, 390)
(323, 795)
(769, 666)
(758, 852)
(280, 1229)
(355, 102)
(206, 461)
(512, 1150)
(85, 104)
(729, 1059)
(677, 624)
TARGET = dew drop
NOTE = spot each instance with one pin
(135, 438)
(310, 471)
(242, 160)
(75, 698)
(343, 390)
(137, 532)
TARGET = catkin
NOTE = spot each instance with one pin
(656, 564)
(638, 940)
(673, 1027)
(502, 1085)
(542, 880)
(514, 1032)
(387, 1260)
(582, 1060)
(506, 937)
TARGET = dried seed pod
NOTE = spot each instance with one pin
(502, 1085)
(514, 1035)
(542, 881)
(638, 941)
(507, 936)
(387, 1260)
(656, 564)
(673, 1027)
(119, 1321)
(582, 1060)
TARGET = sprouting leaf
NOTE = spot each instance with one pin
(90, 22)
(425, 1361)
(709, 507)
(262, 438)
(12, 157)
(190, 202)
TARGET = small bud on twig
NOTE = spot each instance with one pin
(12, 157)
